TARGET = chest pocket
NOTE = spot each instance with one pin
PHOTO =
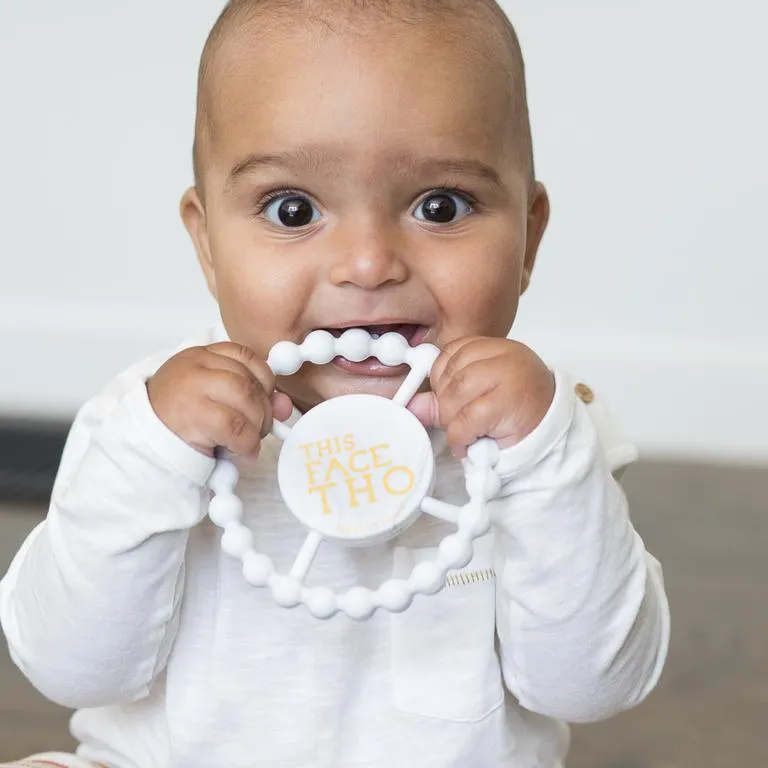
(444, 662)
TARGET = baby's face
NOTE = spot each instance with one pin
(359, 183)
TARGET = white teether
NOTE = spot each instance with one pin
(357, 470)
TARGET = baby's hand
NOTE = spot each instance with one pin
(486, 387)
(221, 395)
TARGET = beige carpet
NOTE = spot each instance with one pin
(709, 527)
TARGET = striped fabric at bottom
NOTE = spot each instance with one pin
(51, 760)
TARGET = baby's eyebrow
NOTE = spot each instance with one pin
(455, 166)
(300, 160)
(406, 165)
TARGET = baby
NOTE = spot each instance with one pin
(358, 165)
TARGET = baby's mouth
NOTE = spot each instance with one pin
(413, 333)
(409, 331)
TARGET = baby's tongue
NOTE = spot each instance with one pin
(380, 330)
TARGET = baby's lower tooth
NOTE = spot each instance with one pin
(375, 336)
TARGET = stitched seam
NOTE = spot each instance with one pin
(468, 578)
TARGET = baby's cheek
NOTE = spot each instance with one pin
(260, 298)
(250, 315)
(487, 299)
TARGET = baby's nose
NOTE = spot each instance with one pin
(368, 255)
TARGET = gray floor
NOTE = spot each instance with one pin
(710, 529)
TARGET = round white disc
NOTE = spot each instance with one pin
(356, 468)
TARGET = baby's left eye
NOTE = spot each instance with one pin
(443, 208)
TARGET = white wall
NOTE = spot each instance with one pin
(649, 121)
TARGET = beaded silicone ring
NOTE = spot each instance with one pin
(341, 477)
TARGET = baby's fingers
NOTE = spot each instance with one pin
(282, 407)
(464, 420)
(479, 418)
(465, 386)
(425, 408)
(244, 394)
(230, 428)
(246, 359)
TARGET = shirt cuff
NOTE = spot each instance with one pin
(167, 447)
(538, 444)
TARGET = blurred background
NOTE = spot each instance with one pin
(649, 123)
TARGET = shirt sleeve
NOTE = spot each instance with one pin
(90, 605)
(582, 616)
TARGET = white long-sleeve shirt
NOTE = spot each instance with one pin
(122, 606)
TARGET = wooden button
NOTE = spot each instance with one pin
(585, 394)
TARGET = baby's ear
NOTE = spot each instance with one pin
(193, 216)
(538, 218)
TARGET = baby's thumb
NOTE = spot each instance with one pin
(282, 407)
(424, 408)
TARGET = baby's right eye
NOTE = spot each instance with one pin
(292, 210)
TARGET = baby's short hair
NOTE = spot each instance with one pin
(239, 13)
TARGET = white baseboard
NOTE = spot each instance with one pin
(675, 398)
(56, 357)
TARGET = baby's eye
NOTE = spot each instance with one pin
(291, 210)
(443, 208)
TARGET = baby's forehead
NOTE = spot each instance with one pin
(248, 26)
(477, 32)
(360, 14)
